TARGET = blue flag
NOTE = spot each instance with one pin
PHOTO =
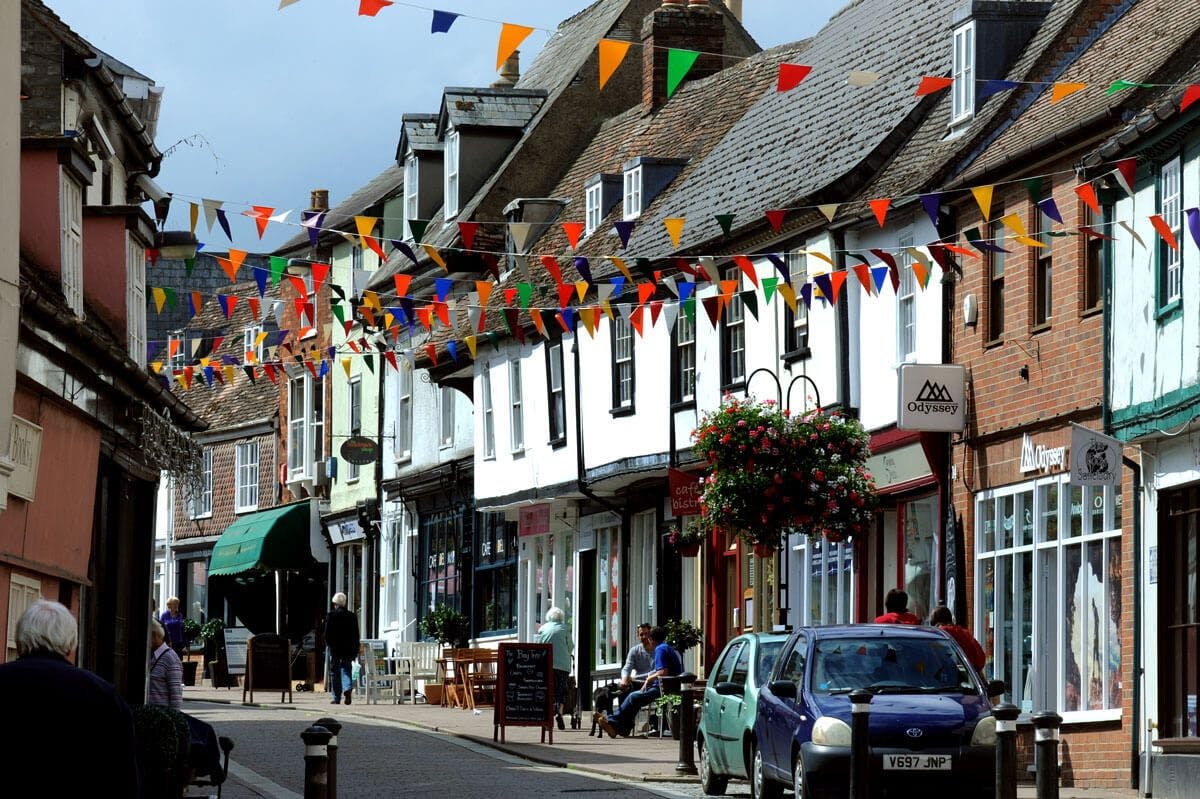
(442, 20)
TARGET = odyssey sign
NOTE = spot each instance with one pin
(932, 398)
(1040, 457)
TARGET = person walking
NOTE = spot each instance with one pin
(63, 725)
(943, 618)
(555, 633)
(667, 663)
(896, 605)
(172, 621)
(166, 671)
(341, 638)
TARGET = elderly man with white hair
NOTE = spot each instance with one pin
(166, 671)
(63, 724)
(341, 638)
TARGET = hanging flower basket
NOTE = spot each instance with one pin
(771, 472)
(688, 539)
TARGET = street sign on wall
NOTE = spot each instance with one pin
(932, 398)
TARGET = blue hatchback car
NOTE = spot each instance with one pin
(931, 726)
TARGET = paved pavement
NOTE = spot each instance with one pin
(411, 749)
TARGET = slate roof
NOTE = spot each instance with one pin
(243, 401)
(341, 216)
(418, 131)
(1164, 108)
(493, 108)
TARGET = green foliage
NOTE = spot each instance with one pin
(682, 634)
(191, 629)
(668, 702)
(447, 626)
(691, 534)
(211, 630)
(163, 740)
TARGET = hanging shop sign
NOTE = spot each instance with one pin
(360, 451)
(534, 520)
(25, 449)
(345, 532)
(1095, 458)
(1040, 458)
(932, 398)
(899, 467)
(685, 492)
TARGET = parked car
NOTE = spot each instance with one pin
(725, 737)
(931, 726)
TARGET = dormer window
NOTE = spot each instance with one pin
(595, 207)
(252, 344)
(963, 71)
(411, 208)
(633, 193)
(451, 200)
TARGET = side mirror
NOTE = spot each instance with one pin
(784, 689)
(728, 689)
(996, 688)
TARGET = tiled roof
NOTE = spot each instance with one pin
(385, 184)
(1162, 109)
(493, 108)
(418, 131)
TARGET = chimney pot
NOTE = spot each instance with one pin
(319, 200)
(510, 73)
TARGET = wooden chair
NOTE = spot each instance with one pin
(483, 676)
(415, 661)
(452, 664)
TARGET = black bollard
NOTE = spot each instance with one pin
(860, 743)
(1006, 750)
(316, 762)
(334, 728)
(1045, 744)
(687, 725)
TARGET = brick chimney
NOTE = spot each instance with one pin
(318, 200)
(694, 26)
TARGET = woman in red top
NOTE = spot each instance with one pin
(942, 617)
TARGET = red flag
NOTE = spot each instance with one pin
(747, 268)
(880, 207)
(262, 215)
(1127, 173)
(930, 85)
(776, 219)
(655, 310)
(551, 265)
(467, 231)
(564, 294)
(369, 8)
(432, 350)
(375, 248)
(255, 310)
(443, 312)
(298, 284)
(1190, 96)
(509, 296)
(391, 358)
(321, 271)
(573, 230)
(836, 279)
(635, 319)
(645, 292)
(1088, 194)
(1164, 231)
(402, 284)
(790, 76)
(864, 276)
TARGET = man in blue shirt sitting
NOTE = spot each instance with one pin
(667, 663)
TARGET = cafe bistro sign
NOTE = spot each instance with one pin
(1040, 458)
(932, 398)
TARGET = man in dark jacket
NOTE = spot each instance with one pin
(341, 637)
(63, 725)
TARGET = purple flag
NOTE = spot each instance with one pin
(442, 20)
(261, 276)
(931, 202)
(825, 284)
(993, 86)
(1193, 218)
(1050, 209)
(221, 218)
(624, 229)
(313, 221)
(806, 294)
(780, 266)
(581, 266)
(404, 248)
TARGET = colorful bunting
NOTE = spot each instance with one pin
(932, 85)
(679, 63)
(726, 223)
(573, 231)
(931, 203)
(880, 207)
(467, 231)
(612, 53)
(624, 229)
(1061, 91)
(1126, 173)
(511, 36)
(775, 219)
(995, 86)
(416, 229)
(791, 75)
(1164, 231)
(1190, 95)
(1122, 85)
(442, 20)
(261, 215)
(828, 210)
(551, 264)
(435, 256)
(674, 226)
(519, 233)
(1087, 193)
(983, 198)
(369, 8)
(1193, 221)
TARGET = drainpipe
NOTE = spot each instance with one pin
(843, 322)
(1138, 670)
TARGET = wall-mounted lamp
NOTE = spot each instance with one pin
(1024, 372)
(970, 310)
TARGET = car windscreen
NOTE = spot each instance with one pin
(898, 665)
(768, 652)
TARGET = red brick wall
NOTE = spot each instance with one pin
(225, 489)
(318, 346)
(1064, 384)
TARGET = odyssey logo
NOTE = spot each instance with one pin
(933, 398)
(1040, 457)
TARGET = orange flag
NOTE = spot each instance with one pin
(612, 53)
(1087, 193)
(435, 255)
(1164, 231)
(930, 85)
(573, 230)
(402, 284)
(1063, 90)
(511, 37)
(262, 215)
(674, 226)
(484, 287)
(880, 207)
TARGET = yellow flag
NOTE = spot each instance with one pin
(365, 225)
(612, 53)
(511, 37)
(789, 295)
(581, 287)
(1013, 223)
(194, 214)
(821, 256)
(1064, 90)
(472, 344)
(1029, 242)
(608, 311)
(160, 297)
(983, 196)
(157, 366)
(371, 299)
(829, 211)
(229, 373)
(436, 256)
(588, 321)
(620, 265)
(346, 366)
(674, 226)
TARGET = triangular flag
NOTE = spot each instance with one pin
(983, 198)
(1087, 193)
(1164, 231)
(484, 289)
(768, 287)
(864, 276)
(750, 302)
(402, 284)
(624, 229)
(442, 286)
(365, 226)
(1126, 174)
(416, 229)
(880, 207)
(261, 215)
(726, 223)
(227, 303)
(993, 86)
(622, 268)
(435, 256)
(646, 291)
(369, 8)
(679, 63)
(467, 230)
(789, 295)
(581, 287)
(828, 210)
(775, 218)
(261, 278)
(573, 230)
(1190, 95)
(524, 293)
(519, 231)
(565, 290)
(1122, 85)
(791, 75)
(1013, 222)
(223, 221)
(551, 264)
(878, 275)
(442, 20)
(511, 36)
(747, 268)
(278, 267)
(930, 85)
(712, 306)
(312, 220)
(836, 280)
(612, 53)
(1050, 209)
(1063, 90)
(931, 202)
(1193, 220)
(160, 297)
(921, 272)
(319, 273)
(193, 215)
(472, 345)
(674, 226)
(210, 211)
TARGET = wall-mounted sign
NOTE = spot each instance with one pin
(899, 466)
(534, 520)
(685, 492)
(1095, 458)
(360, 450)
(25, 449)
(1040, 458)
(932, 398)
(345, 532)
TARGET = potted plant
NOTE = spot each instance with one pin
(191, 631)
(687, 539)
(682, 634)
(667, 709)
(447, 626)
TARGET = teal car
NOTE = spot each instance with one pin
(725, 740)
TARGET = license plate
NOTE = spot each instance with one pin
(917, 762)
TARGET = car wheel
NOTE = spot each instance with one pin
(799, 786)
(711, 783)
(760, 786)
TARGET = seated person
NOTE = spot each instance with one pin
(667, 663)
(640, 660)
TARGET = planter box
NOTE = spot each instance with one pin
(189, 671)
(433, 693)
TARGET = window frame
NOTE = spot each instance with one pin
(995, 285)
(403, 444)
(516, 408)
(200, 505)
(453, 165)
(906, 301)
(445, 417)
(683, 362)
(311, 424)
(489, 416)
(733, 325)
(354, 420)
(556, 398)
(1169, 303)
(23, 591)
(623, 366)
(71, 221)
(1096, 257)
(250, 342)
(593, 201)
(1041, 301)
(631, 194)
(962, 93)
(135, 302)
(795, 323)
(246, 476)
(412, 198)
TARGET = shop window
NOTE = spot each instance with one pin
(22, 592)
(827, 570)
(1048, 596)
(920, 554)
(495, 583)
(643, 566)
(609, 645)
(440, 580)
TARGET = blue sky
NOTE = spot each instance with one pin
(269, 104)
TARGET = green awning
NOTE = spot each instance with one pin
(269, 540)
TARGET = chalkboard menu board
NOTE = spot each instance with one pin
(268, 666)
(525, 689)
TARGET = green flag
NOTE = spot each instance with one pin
(689, 308)
(189, 264)
(726, 222)
(750, 301)
(1122, 85)
(679, 63)
(525, 293)
(768, 287)
(417, 228)
(278, 265)
(339, 312)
